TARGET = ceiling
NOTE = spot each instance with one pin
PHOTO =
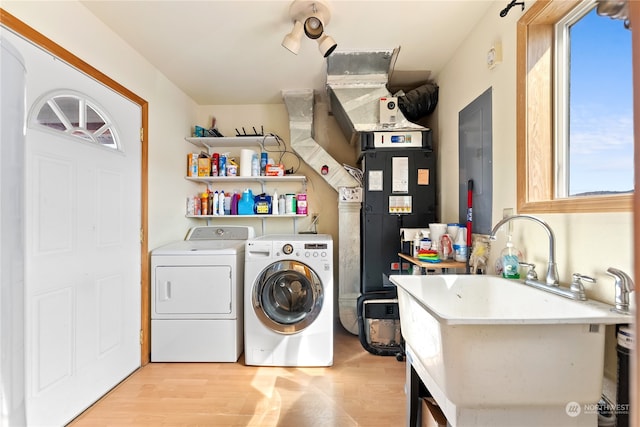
(229, 51)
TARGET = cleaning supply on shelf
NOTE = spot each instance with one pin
(232, 167)
(262, 204)
(214, 204)
(446, 247)
(235, 198)
(227, 204)
(274, 203)
(510, 257)
(204, 201)
(215, 159)
(301, 204)
(245, 204)
(460, 245)
(255, 165)
(222, 165)
(264, 158)
(220, 206)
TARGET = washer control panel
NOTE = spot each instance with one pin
(303, 250)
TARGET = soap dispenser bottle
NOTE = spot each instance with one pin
(510, 257)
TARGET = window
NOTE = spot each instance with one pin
(562, 152)
(74, 115)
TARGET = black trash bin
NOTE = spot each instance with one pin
(624, 346)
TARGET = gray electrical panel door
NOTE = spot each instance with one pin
(475, 151)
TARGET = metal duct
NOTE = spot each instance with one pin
(300, 108)
(355, 83)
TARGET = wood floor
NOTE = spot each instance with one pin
(360, 389)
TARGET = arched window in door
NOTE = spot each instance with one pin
(75, 115)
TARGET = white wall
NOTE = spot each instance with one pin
(171, 112)
(586, 243)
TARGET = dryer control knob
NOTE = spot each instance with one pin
(324, 254)
(307, 254)
(287, 249)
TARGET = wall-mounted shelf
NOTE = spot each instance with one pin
(209, 142)
(262, 216)
(262, 179)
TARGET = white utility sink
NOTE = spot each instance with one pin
(495, 352)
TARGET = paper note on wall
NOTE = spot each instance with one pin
(400, 175)
(423, 176)
(375, 180)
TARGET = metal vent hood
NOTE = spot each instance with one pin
(355, 83)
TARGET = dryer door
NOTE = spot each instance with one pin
(287, 296)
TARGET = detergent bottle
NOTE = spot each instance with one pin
(246, 202)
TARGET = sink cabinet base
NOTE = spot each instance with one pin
(419, 384)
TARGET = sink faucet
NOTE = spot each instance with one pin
(552, 270)
(624, 285)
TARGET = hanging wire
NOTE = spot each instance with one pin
(281, 150)
(354, 172)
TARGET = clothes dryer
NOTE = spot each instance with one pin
(197, 288)
(288, 309)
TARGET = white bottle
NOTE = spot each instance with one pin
(274, 203)
(215, 203)
(460, 250)
(416, 243)
(221, 203)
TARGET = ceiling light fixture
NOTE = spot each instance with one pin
(310, 16)
(292, 40)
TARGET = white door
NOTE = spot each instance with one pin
(82, 281)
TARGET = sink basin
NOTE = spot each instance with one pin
(494, 351)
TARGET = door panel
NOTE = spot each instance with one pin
(82, 280)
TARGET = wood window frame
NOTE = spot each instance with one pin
(535, 121)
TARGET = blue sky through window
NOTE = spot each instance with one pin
(601, 106)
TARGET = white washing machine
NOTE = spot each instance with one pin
(197, 288)
(288, 302)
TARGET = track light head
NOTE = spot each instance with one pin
(313, 27)
(292, 40)
(327, 45)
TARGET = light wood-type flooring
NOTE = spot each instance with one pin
(360, 389)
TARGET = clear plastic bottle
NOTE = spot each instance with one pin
(255, 165)
(510, 257)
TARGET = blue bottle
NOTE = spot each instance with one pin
(246, 202)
